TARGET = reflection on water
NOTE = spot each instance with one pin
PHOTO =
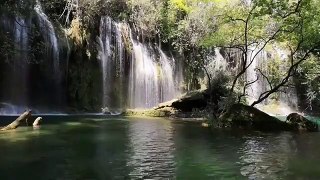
(266, 157)
(151, 149)
(100, 148)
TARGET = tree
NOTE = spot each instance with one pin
(250, 26)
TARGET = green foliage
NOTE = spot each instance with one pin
(6, 46)
(192, 27)
(310, 77)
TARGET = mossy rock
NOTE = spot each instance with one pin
(242, 116)
(187, 102)
(148, 113)
(301, 123)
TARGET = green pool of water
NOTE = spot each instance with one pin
(120, 148)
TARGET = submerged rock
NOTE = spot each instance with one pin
(301, 123)
(242, 116)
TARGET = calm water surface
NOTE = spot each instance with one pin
(119, 148)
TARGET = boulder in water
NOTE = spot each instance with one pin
(301, 123)
(191, 100)
(37, 122)
(242, 116)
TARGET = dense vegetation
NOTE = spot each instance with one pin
(191, 29)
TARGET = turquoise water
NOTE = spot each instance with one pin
(119, 148)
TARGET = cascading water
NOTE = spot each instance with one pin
(48, 32)
(16, 74)
(259, 84)
(28, 72)
(217, 62)
(144, 89)
(168, 89)
(283, 102)
(20, 60)
(111, 55)
(151, 77)
(151, 72)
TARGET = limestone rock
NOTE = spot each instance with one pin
(37, 122)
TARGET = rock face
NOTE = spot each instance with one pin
(301, 123)
(242, 116)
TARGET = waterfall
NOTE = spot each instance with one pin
(217, 63)
(168, 89)
(28, 72)
(16, 66)
(111, 55)
(144, 89)
(151, 78)
(105, 57)
(20, 61)
(48, 32)
(259, 83)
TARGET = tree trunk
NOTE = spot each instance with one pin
(23, 117)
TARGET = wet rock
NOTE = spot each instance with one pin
(190, 101)
(301, 123)
(37, 122)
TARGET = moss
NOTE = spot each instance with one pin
(84, 82)
(148, 113)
